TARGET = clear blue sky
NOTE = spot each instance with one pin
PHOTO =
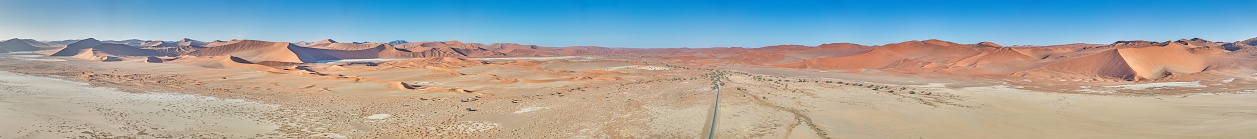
(635, 23)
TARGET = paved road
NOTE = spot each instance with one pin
(715, 112)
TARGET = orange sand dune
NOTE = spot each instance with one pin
(902, 55)
(444, 44)
(321, 43)
(508, 47)
(1121, 60)
(93, 49)
(222, 62)
(76, 47)
(348, 46)
(376, 51)
(1157, 62)
(333, 45)
(997, 60)
(436, 61)
(216, 43)
(1145, 63)
(444, 69)
(253, 50)
(455, 49)
(1107, 64)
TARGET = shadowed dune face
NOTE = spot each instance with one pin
(14, 45)
(75, 48)
(1107, 64)
(1158, 62)
(253, 50)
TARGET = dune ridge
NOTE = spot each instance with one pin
(1135, 60)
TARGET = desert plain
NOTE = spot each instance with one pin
(1188, 88)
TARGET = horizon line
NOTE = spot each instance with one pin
(786, 44)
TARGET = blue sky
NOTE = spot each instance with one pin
(635, 23)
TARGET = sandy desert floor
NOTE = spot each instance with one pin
(582, 97)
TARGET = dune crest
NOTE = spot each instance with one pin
(1135, 60)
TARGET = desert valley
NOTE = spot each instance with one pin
(89, 88)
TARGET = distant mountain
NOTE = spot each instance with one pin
(397, 42)
(189, 42)
(64, 42)
(323, 42)
(130, 42)
(180, 42)
(301, 43)
(15, 44)
(1249, 42)
(157, 43)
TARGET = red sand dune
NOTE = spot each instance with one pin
(376, 51)
(320, 43)
(910, 54)
(216, 43)
(430, 62)
(450, 49)
(348, 46)
(1121, 60)
(75, 48)
(94, 49)
(253, 50)
(1143, 63)
(1107, 64)
(995, 59)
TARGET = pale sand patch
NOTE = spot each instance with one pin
(329, 135)
(40, 107)
(469, 126)
(636, 67)
(1003, 112)
(530, 109)
(371, 60)
(30, 56)
(378, 116)
(1191, 84)
(932, 85)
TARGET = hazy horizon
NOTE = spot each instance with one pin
(638, 24)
